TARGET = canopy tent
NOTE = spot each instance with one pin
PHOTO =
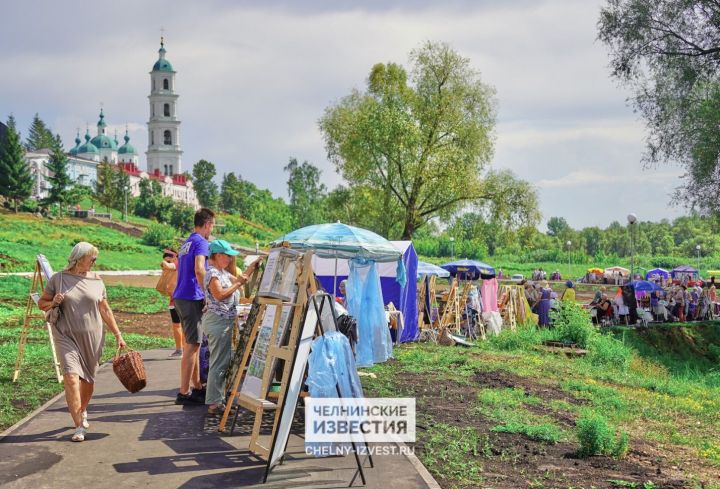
(683, 270)
(365, 250)
(645, 286)
(404, 298)
(656, 273)
(425, 268)
(620, 270)
(713, 273)
(595, 270)
(469, 269)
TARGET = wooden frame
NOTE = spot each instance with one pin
(36, 289)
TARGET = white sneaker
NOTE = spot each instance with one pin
(85, 423)
(79, 434)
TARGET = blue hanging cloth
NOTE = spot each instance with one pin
(400, 272)
(365, 304)
(331, 366)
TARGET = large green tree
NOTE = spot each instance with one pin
(668, 53)
(59, 179)
(206, 189)
(151, 203)
(16, 181)
(306, 193)
(39, 136)
(420, 143)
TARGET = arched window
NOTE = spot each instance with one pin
(153, 85)
(166, 84)
(166, 110)
(152, 138)
(152, 108)
(167, 137)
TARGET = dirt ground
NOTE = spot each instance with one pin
(146, 324)
(517, 461)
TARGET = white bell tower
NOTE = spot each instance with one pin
(163, 153)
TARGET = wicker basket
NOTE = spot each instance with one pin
(130, 370)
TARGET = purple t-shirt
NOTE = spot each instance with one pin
(187, 287)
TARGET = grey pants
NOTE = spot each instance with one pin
(219, 332)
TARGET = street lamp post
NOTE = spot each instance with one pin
(698, 259)
(452, 247)
(632, 219)
(569, 244)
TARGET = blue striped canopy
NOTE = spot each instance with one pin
(338, 240)
(425, 268)
(469, 269)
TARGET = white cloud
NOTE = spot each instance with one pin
(254, 78)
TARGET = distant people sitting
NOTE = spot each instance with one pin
(605, 309)
(556, 275)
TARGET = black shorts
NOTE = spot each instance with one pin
(174, 316)
(190, 313)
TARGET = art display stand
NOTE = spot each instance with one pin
(277, 336)
(313, 327)
(274, 349)
(42, 273)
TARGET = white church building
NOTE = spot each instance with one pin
(163, 154)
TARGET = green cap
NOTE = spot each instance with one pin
(222, 246)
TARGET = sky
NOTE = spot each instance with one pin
(254, 77)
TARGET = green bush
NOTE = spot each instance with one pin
(597, 437)
(525, 337)
(572, 324)
(606, 351)
(160, 235)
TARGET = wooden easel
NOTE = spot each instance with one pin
(284, 352)
(36, 289)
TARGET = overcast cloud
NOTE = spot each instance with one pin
(254, 78)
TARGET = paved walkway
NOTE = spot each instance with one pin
(145, 440)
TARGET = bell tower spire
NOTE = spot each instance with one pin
(164, 152)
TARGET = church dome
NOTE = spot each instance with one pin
(127, 148)
(88, 147)
(162, 64)
(103, 141)
(74, 150)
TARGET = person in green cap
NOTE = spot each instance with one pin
(222, 293)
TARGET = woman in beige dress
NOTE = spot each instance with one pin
(78, 334)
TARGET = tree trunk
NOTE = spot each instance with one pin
(409, 221)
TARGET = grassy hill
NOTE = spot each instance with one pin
(22, 236)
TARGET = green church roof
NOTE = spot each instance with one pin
(162, 64)
(127, 148)
(88, 147)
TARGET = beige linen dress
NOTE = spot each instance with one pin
(79, 333)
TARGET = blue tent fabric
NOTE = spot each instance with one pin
(365, 304)
(404, 298)
(645, 286)
(660, 272)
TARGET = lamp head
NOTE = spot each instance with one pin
(632, 218)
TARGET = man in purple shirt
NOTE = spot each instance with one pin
(189, 303)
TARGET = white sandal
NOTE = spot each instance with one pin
(79, 434)
(85, 423)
